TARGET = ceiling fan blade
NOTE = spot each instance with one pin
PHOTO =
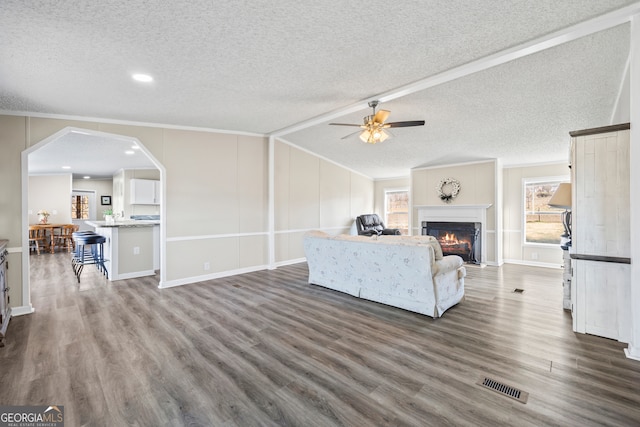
(381, 116)
(405, 124)
(345, 124)
(351, 134)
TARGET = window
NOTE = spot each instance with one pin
(396, 206)
(542, 223)
(79, 207)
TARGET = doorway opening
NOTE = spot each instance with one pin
(81, 155)
(83, 207)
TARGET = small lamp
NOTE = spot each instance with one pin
(562, 199)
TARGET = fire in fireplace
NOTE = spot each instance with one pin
(456, 238)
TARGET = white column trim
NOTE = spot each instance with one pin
(633, 351)
(271, 215)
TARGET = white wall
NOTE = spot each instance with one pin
(215, 197)
(310, 194)
(121, 190)
(101, 187)
(51, 193)
(222, 218)
(622, 110)
(478, 181)
(13, 140)
(382, 185)
(514, 248)
(216, 204)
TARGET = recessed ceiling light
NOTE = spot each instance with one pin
(86, 177)
(66, 167)
(145, 78)
(129, 152)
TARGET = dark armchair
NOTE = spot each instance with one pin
(371, 224)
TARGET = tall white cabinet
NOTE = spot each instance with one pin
(600, 288)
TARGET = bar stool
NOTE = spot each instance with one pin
(89, 250)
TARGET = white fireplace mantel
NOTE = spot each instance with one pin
(458, 213)
(453, 213)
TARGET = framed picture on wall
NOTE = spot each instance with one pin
(105, 200)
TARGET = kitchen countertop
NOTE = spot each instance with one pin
(127, 223)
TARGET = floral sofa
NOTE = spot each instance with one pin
(401, 271)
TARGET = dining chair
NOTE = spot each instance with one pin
(65, 238)
(37, 237)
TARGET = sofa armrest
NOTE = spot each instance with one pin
(446, 264)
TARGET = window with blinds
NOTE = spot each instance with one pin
(397, 210)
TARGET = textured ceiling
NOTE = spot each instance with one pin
(520, 112)
(261, 66)
(88, 155)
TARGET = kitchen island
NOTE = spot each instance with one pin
(132, 248)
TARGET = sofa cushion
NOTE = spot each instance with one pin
(426, 240)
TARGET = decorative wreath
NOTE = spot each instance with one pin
(455, 189)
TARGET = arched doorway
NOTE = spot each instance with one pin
(60, 154)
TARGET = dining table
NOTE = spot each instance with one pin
(50, 230)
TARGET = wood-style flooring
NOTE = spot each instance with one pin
(266, 348)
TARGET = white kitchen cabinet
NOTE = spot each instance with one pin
(145, 192)
(600, 251)
(602, 299)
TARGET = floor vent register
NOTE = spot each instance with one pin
(505, 390)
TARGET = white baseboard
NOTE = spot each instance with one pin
(290, 262)
(631, 353)
(133, 275)
(204, 277)
(22, 310)
(196, 279)
(533, 263)
(472, 265)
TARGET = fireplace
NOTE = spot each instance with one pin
(457, 238)
(461, 214)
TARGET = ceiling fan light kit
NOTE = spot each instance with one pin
(373, 136)
(374, 125)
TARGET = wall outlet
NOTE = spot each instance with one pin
(534, 255)
(207, 266)
(136, 250)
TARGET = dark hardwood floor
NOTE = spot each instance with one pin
(267, 348)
